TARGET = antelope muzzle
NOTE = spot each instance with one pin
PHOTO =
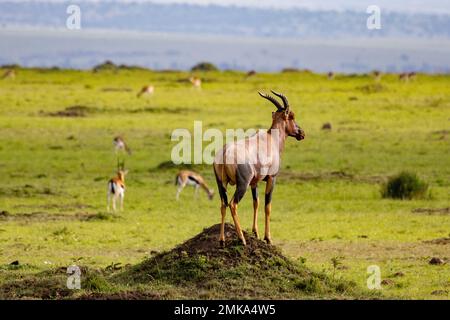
(300, 134)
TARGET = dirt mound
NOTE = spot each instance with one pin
(432, 211)
(438, 241)
(196, 269)
(233, 253)
(200, 268)
(72, 111)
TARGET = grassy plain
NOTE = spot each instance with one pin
(327, 204)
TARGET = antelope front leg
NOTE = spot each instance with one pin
(114, 203)
(268, 207)
(223, 211)
(255, 211)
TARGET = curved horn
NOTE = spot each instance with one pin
(273, 100)
(283, 97)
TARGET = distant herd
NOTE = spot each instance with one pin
(230, 167)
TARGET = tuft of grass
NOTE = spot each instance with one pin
(405, 185)
(96, 282)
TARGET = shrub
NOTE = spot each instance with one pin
(406, 185)
(204, 66)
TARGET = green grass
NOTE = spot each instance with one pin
(326, 204)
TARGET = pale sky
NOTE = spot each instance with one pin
(431, 6)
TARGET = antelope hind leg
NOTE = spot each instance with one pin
(255, 211)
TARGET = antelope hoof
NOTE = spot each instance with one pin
(222, 243)
(243, 242)
(255, 232)
(268, 240)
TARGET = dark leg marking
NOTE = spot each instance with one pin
(255, 193)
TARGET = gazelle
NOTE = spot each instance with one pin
(116, 187)
(186, 177)
(377, 75)
(330, 75)
(147, 90)
(246, 162)
(403, 77)
(196, 82)
(120, 145)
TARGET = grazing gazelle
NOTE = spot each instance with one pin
(120, 145)
(196, 82)
(116, 187)
(9, 74)
(186, 177)
(147, 90)
(246, 162)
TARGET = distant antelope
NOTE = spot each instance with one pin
(196, 82)
(9, 74)
(147, 90)
(377, 75)
(246, 162)
(330, 75)
(186, 177)
(249, 74)
(412, 75)
(403, 77)
(116, 187)
(120, 145)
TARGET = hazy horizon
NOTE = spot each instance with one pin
(180, 33)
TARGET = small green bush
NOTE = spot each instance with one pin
(406, 185)
(204, 66)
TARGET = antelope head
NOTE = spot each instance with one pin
(210, 194)
(285, 115)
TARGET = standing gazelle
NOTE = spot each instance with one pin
(246, 162)
(116, 187)
(196, 82)
(146, 90)
(186, 177)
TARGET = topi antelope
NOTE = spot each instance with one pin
(196, 82)
(186, 177)
(120, 145)
(246, 162)
(147, 90)
(116, 187)
(249, 74)
(412, 75)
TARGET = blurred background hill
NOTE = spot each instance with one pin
(266, 35)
